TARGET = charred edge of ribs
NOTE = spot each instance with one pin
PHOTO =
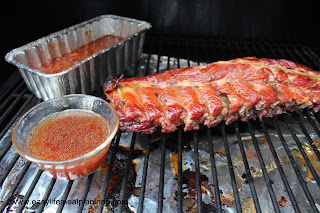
(111, 84)
(259, 110)
(316, 108)
(270, 112)
(149, 128)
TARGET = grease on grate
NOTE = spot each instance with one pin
(226, 193)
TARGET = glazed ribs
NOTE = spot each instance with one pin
(242, 88)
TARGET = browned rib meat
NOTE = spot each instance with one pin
(242, 88)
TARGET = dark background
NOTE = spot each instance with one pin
(273, 20)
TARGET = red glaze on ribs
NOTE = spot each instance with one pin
(242, 88)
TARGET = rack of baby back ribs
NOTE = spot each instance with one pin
(251, 153)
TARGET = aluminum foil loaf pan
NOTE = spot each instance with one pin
(89, 74)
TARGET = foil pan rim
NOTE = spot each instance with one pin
(9, 56)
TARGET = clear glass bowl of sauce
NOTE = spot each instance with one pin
(67, 137)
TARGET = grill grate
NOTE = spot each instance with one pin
(302, 127)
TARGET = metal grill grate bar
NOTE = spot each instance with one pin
(46, 195)
(12, 105)
(85, 193)
(197, 167)
(14, 118)
(14, 186)
(126, 172)
(214, 174)
(151, 49)
(114, 146)
(162, 171)
(6, 102)
(65, 195)
(305, 132)
(305, 157)
(247, 170)
(10, 90)
(144, 176)
(263, 167)
(10, 166)
(30, 190)
(317, 116)
(295, 166)
(315, 58)
(305, 58)
(279, 167)
(231, 170)
(179, 192)
(307, 114)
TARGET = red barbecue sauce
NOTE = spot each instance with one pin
(67, 60)
(68, 134)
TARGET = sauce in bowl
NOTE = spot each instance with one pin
(67, 134)
(68, 137)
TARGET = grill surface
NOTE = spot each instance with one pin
(302, 126)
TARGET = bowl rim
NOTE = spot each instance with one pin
(95, 151)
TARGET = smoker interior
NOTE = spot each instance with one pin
(301, 195)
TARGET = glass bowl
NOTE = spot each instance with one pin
(76, 167)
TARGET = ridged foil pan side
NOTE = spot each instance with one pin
(90, 73)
